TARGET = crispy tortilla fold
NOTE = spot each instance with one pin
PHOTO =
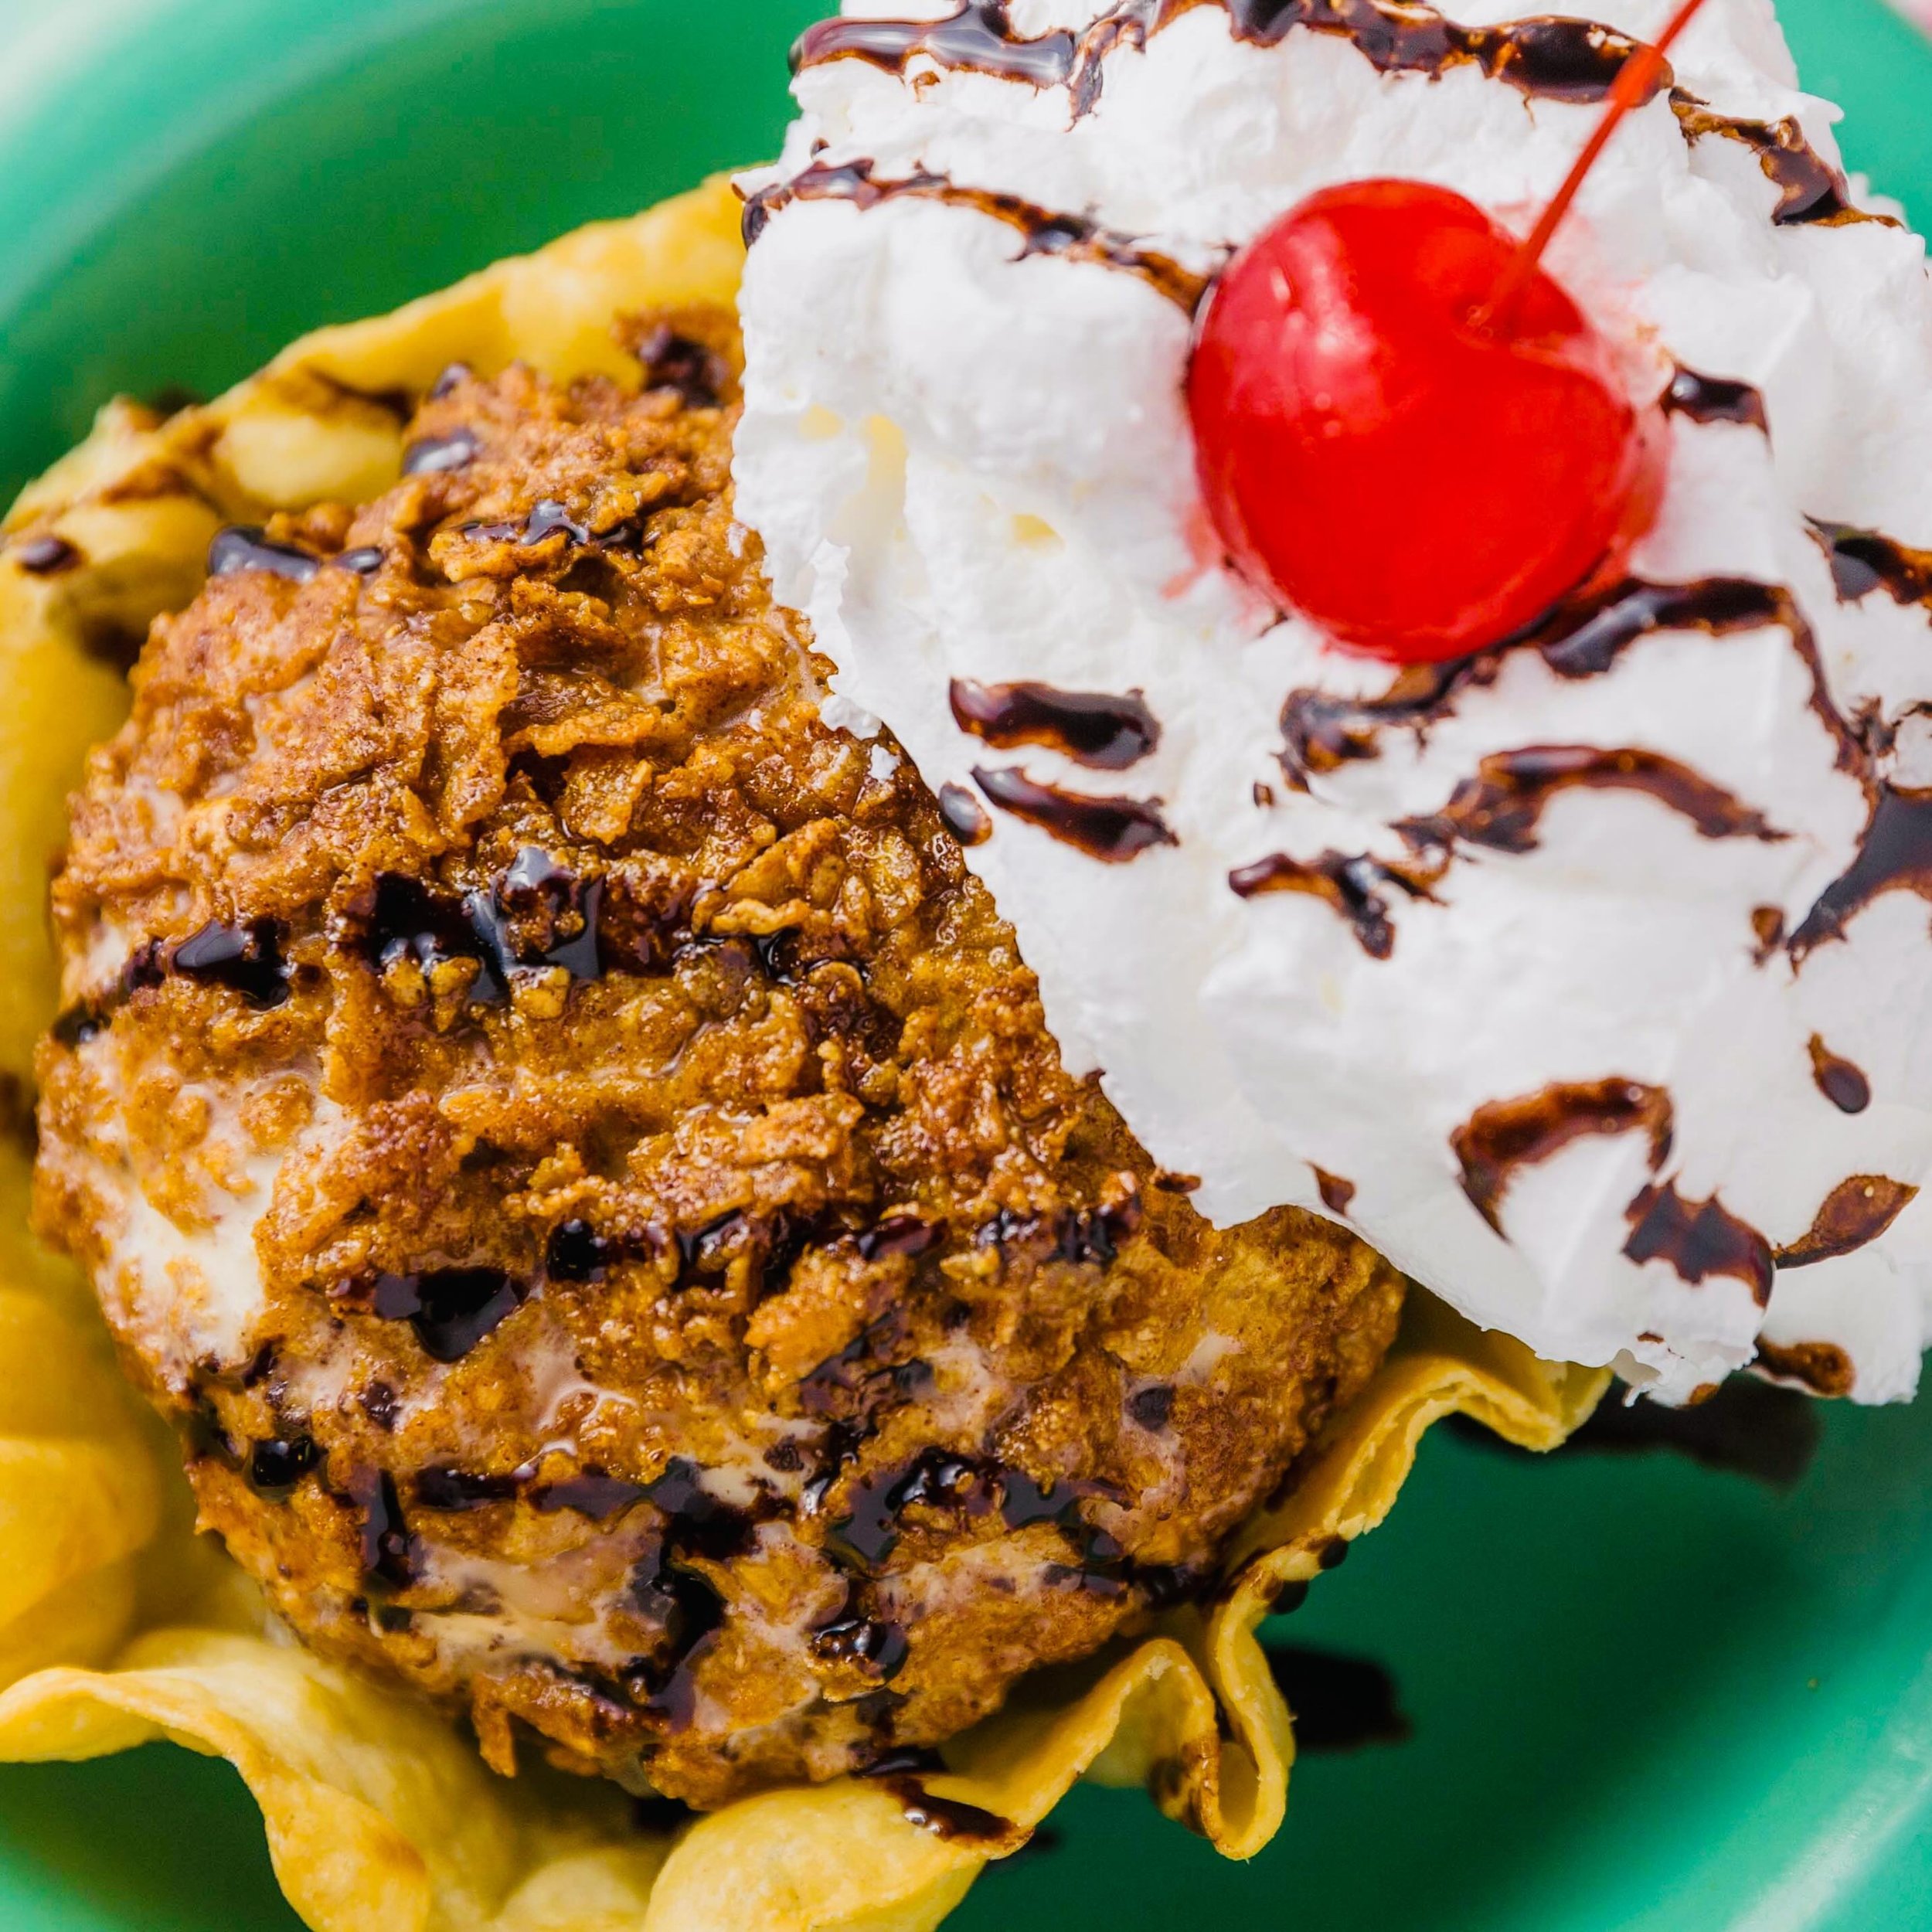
(117, 1627)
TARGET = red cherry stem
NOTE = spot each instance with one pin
(1632, 87)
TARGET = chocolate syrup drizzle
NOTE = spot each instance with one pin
(1504, 1136)
(1553, 59)
(965, 817)
(1823, 1367)
(1812, 192)
(1841, 1083)
(1502, 806)
(1115, 830)
(1715, 399)
(451, 1309)
(434, 454)
(1092, 728)
(47, 556)
(1576, 61)
(1857, 1213)
(1583, 639)
(1357, 888)
(1895, 855)
(1067, 237)
(1865, 561)
(1699, 1239)
(539, 916)
(241, 547)
(979, 38)
(1337, 1195)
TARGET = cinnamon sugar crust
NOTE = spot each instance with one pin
(580, 1157)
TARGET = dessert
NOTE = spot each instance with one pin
(545, 1087)
(1569, 970)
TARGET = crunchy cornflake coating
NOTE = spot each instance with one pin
(581, 1158)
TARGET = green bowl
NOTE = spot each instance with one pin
(1639, 1693)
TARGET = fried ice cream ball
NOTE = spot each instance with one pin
(579, 1157)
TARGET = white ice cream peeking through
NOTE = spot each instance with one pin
(1586, 978)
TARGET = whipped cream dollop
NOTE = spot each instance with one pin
(1591, 980)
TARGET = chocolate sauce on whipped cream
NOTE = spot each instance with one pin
(1812, 192)
(1856, 1213)
(1715, 399)
(1504, 1136)
(1115, 831)
(1865, 561)
(1843, 1084)
(1699, 1239)
(1894, 856)
(979, 38)
(1068, 237)
(965, 817)
(1108, 733)
(1502, 806)
(1357, 888)
(1823, 1367)
(1546, 59)
(1324, 732)
(1337, 1195)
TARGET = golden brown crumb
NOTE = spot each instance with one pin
(581, 1158)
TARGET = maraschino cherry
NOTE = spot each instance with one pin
(1408, 432)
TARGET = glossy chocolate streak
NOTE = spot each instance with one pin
(1337, 1195)
(1339, 1703)
(950, 1818)
(539, 916)
(1894, 856)
(1715, 399)
(1823, 1367)
(1812, 192)
(243, 548)
(1857, 1213)
(1502, 806)
(1115, 831)
(434, 454)
(978, 39)
(389, 1553)
(1067, 237)
(1506, 1135)
(451, 1309)
(1584, 639)
(1841, 1083)
(1092, 728)
(46, 556)
(965, 817)
(1357, 888)
(1699, 1239)
(245, 958)
(1548, 59)
(1863, 561)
